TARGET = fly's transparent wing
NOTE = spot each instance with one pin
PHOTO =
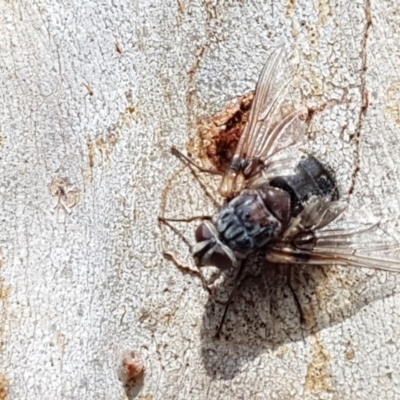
(338, 256)
(272, 117)
(309, 241)
(316, 215)
(269, 116)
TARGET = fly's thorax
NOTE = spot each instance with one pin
(245, 224)
(277, 201)
(209, 250)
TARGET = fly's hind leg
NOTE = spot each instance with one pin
(231, 297)
(296, 299)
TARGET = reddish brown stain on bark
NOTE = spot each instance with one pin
(220, 134)
(4, 385)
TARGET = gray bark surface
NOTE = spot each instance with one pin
(93, 95)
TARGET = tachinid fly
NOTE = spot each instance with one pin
(261, 214)
(277, 203)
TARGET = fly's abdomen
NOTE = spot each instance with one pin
(312, 179)
(245, 224)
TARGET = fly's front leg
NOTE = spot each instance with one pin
(190, 219)
(171, 256)
(166, 221)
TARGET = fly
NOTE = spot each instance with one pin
(276, 203)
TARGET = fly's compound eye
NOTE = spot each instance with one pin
(208, 252)
(220, 259)
(203, 233)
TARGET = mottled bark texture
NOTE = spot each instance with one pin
(93, 94)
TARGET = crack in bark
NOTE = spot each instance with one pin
(364, 94)
(192, 72)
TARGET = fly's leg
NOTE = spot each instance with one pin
(169, 255)
(296, 299)
(193, 166)
(231, 297)
(172, 257)
(166, 221)
(183, 157)
(190, 219)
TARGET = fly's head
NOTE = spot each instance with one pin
(210, 251)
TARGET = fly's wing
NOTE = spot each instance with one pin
(272, 117)
(319, 256)
(308, 241)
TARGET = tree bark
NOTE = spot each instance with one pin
(93, 95)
